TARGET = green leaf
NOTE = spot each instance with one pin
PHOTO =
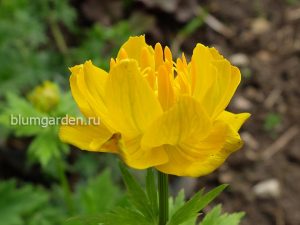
(190, 209)
(64, 13)
(99, 195)
(46, 215)
(16, 114)
(116, 217)
(178, 202)
(215, 217)
(17, 203)
(46, 147)
(23, 62)
(137, 196)
(125, 216)
(95, 200)
(66, 106)
(84, 220)
(22, 119)
(152, 190)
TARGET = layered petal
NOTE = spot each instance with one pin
(215, 79)
(203, 72)
(220, 93)
(141, 158)
(186, 121)
(137, 48)
(95, 79)
(88, 137)
(159, 55)
(165, 88)
(202, 157)
(77, 93)
(195, 158)
(233, 120)
(195, 146)
(183, 80)
(132, 104)
(88, 83)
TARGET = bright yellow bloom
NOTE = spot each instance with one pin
(156, 112)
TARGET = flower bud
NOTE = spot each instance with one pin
(45, 97)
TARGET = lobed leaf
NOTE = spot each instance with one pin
(215, 217)
(191, 208)
(137, 196)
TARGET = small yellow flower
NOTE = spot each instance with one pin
(156, 112)
(45, 97)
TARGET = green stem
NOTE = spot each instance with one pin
(58, 36)
(66, 187)
(163, 195)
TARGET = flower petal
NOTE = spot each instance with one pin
(87, 137)
(87, 85)
(137, 48)
(202, 157)
(139, 158)
(220, 93)
(132, 103)
(77, 93)
(165, 88)
(215, 79)
(183, 158)
(202, 71)
(158, 55)
(186, 120)
(95, 79)
(234, 120)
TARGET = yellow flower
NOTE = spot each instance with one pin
(45, 97)
(156, 112)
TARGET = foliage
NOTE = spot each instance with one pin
(178, 202)
(45, 145)
(33, 48)
(189, 211)
(26, 54)
(94, 198)
(143, 207)
(100, 194)
(31, 205)
(214, 217)
(26, 205)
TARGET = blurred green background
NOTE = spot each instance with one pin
(43, 181)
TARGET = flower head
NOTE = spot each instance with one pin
(157, 112)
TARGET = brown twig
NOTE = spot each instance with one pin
(218, 26)
(210, 21)
(280, 143)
